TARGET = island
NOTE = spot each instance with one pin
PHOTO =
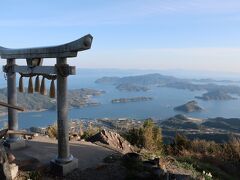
(131, 87)
(133, 99)
(144, 82)
(191, 106)
(107, 80)
(77, 98)
(215, 95)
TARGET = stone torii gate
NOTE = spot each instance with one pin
(64, 162)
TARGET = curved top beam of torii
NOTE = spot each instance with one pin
(62, 51)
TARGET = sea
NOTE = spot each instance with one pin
(160, 108)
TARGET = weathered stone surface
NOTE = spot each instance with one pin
(10, 157)
(7, 171)
(113, 140)
(74, 137)
(13, 170)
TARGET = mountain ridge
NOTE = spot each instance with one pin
(146, 81)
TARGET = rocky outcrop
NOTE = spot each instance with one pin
(74, 137)
(8, 169)
(112, 140)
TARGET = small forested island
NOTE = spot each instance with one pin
(191, 106)
(215, 95)
(131, 87)
(133, 99)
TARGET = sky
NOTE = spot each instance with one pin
(130, 34)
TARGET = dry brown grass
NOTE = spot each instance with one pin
(229, 151)
(222, 160)
(51, 131)
(90, 131)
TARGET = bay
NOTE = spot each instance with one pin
(160, 108)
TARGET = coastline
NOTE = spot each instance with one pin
(42, 110)
(27, 111)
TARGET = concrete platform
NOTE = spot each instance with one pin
(15, 145)
(41, 150)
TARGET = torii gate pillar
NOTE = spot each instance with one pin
(64, 162)
(13, 141)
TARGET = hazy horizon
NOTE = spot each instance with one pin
(180, 73)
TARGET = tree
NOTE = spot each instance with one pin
(149, 136)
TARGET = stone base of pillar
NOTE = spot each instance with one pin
(21, 143)
(63, 169)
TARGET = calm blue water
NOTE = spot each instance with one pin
(165, 99)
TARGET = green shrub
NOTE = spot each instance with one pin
(149, 136)
(135, 137)
(229, 151)
(179, 144)
(90, 131)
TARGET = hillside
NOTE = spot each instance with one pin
(231, 124)
(216, 129)
(145, 82)
(35, 102)
(179, 122)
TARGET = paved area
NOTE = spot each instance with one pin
(41, 150)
